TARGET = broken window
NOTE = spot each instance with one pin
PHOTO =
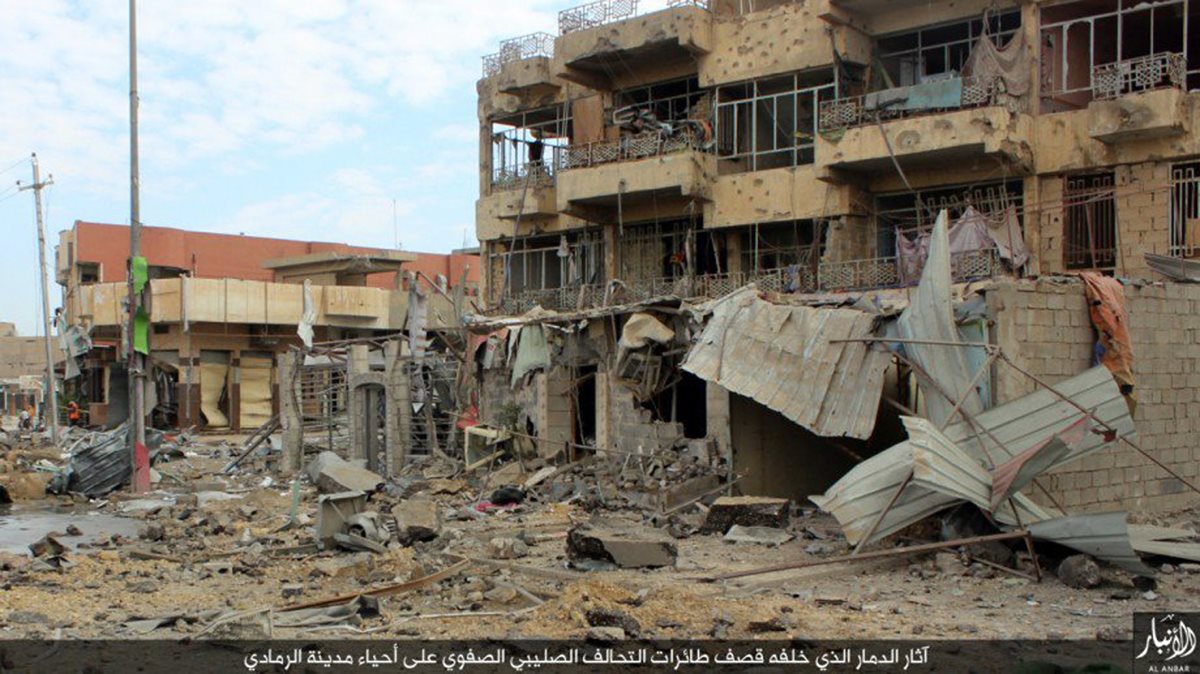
(89, 272)
(909, 57)
(772, 122)
(669, 250)
(1185, 210)
(1089, 222)
(529, 146)
(779, 245)
(549, 262)
(664, 102)
(1105, 48)
(909, 213)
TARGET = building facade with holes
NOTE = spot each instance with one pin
(807, 145)
(802, 144)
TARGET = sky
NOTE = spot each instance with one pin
(303, 119)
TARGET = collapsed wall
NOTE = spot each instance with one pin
(1044, 327)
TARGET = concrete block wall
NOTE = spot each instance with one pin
(1044, 327)
(1142, 196)
(630, 425)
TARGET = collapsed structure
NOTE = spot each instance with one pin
(636, 169)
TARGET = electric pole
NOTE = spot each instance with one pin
(139, 455)
(51, 409)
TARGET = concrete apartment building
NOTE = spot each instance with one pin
(808, 145)
(223, 307)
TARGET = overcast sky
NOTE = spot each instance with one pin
(290, 118)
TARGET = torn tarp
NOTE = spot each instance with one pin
(1106, 307)
(930, 318)
(308, 317)
(533, 352)
(788, 358)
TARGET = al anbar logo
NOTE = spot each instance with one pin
(1167, 647)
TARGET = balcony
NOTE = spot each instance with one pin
(635, 170)
(924, 126)
(850, 275)
(522, 66)
(592, 49)
(1138, 99)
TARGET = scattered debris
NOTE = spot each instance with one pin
(748, 511)
(628, 547)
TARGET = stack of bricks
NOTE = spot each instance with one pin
(1044, 327)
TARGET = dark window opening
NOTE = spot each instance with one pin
(910, 57)
(670, 250)
(1089, 222)
(779, 245)
(771, 123)
(686, 402)
(585, 405)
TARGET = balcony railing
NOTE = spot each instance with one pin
(702, 4)
(533, 174)
(852, 111)
(630, 148)
(875, 273)
(1156, 71)
(595, 14)
(518, 49)
(887, 272)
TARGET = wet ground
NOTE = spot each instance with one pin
(25, 523)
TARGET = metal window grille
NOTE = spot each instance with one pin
(324, 398)
(513, 139)
(1090, 222)
(1185, 210)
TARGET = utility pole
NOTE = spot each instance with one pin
(138, 453)
(51, 388)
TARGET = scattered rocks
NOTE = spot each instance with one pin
(779, 623)
(1080, 572)
(291, 590)
(503, 547)
(1112, 633)
(73, 530)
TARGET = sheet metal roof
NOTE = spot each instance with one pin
(781, 356)
(948, 467)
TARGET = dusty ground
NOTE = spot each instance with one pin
(229, 555)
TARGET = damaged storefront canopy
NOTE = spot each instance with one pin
(789, 359)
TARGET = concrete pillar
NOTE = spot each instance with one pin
(716, 400)
(359, 364)
(291, 420)
(397, 404)
(733, 250)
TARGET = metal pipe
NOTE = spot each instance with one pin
(894, 552)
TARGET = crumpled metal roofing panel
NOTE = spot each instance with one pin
(781, 356)
(1102, 535)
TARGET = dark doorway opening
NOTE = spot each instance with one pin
(584, 403)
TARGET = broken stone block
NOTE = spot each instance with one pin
(761, 535)
(291, 590)
(1080, 572)
(503, 547)
(417, 519)
(351, 566)
(748, 511)
(501, 595)
(332, 474)
(627, 547)
(606, 634)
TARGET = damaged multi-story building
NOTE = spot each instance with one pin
(808, 147)
(224, 309)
